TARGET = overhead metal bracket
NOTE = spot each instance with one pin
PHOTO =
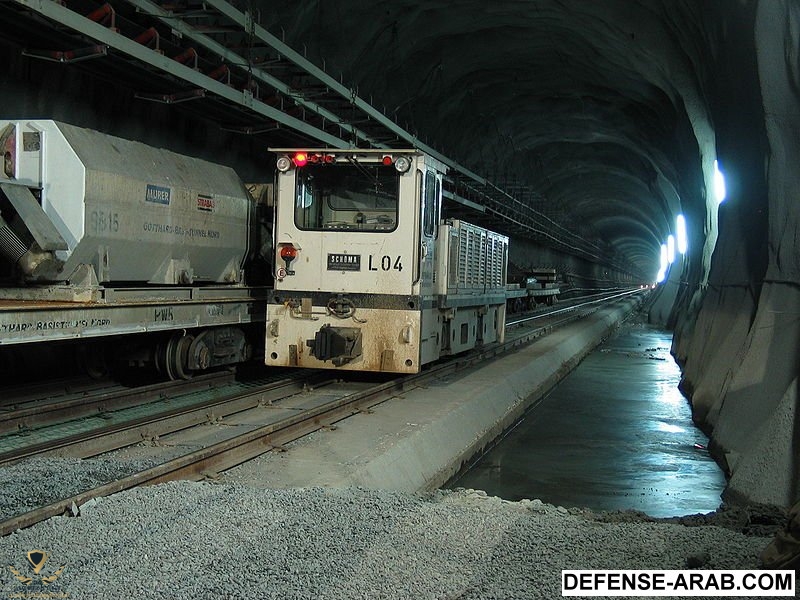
(258, 72)
(68, 56)
(126, 46)
(172, 98)
(250, 130)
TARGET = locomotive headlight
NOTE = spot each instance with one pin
(284, 163)
(402, 164)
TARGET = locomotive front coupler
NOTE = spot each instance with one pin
(340, 345)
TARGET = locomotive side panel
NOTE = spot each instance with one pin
(471, 285)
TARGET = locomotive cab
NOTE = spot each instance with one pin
(362, 263)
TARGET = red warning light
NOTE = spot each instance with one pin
(300, 159)
(387, 161)
(328, 158)
(288, 253)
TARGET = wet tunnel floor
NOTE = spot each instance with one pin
(615, 434)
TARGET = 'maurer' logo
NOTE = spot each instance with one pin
(157, 194)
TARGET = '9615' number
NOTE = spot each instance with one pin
(102, 221)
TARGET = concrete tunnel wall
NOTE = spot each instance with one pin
(722, 79)
(737, 339)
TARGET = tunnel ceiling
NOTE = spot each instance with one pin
(596, 113)
(599, 106)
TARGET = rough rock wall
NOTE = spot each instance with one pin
(739, 345)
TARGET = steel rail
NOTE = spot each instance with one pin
(34, 412)
(556, 311)
(115, 436)
(229, 453)
(17, 394)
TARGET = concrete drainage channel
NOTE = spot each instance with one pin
(215, 458)
(421, 441)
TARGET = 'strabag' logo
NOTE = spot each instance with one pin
(37, 558)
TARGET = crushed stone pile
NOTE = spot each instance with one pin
(30, 484)
(214, 540)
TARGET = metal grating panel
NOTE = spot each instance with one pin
(480, 259)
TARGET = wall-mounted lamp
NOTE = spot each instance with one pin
(680, 230)
(719, 184)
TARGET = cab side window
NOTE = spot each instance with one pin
(430, 217)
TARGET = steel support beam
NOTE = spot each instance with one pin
(187, 31)
(245, 99)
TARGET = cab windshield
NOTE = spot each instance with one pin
(352, 197)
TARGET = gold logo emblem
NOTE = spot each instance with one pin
(37, 558)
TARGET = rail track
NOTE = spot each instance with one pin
(55, 402)
(298, 415)
(207, 403)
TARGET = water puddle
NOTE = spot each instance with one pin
(616, 434)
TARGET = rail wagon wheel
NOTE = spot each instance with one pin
(92, 360)
(172, 358)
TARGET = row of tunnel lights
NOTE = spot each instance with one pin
(681, 243)
(668, 249)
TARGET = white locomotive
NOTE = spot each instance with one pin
(367, 275)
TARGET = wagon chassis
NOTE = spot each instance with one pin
(55, 313)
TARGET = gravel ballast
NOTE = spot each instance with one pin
(30, 484)
(213, 540)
